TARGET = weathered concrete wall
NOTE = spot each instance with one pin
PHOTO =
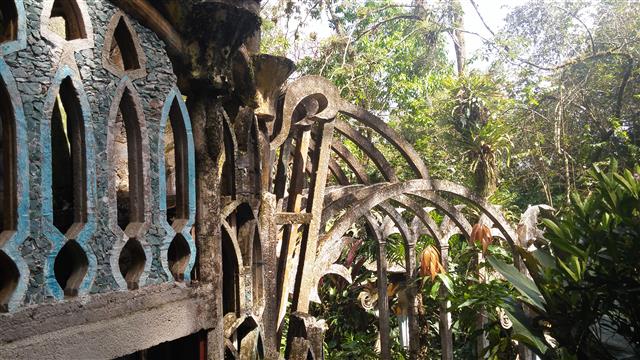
(36, 69)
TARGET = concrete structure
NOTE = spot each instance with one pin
(164, 196)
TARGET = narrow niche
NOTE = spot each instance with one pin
(178, 257)
(230, 276)
(121, 44)
(71, 267)
(8, 170)
(68, 159)
(127, 162)
(228, 178)
(66, 20)
(131, 262)
(257, 270)
(9, 278)
(176, 165)
(9, 23)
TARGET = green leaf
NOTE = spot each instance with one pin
(434, 290)
(560, 239)
(523, 333)
(522, 283)
(448, 283)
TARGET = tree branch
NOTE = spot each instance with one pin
(375, 26)
(475, 7)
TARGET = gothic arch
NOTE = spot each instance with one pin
(70, 243)
(175, 121)
(122, 53)
(14, 36)
(129, 186)
(232, 265)
(67, 23)
(15, 186)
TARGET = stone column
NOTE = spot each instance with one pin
(383, 301)
(206, 120)
(412, 314)
(446, 337)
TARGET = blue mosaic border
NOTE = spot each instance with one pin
(175, 95)
(12, 244)
(21, 40)
(122, 237)
(50, 232)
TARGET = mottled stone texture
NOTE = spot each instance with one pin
(33, 69)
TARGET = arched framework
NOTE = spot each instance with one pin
(14, 192)
(129, 189)
(67, 22)
(13, 26)
(68, 185)
(122, 53)
(242, 258)
(231, 265)
(177, 188)
(298, 135)
(8, 169)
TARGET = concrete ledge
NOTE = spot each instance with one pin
(106, 326)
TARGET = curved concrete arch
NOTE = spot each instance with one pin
(484, 206)
(374, 122)
(296, 92)
(368, 148)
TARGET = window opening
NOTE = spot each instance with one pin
(8, 171)
(70, 267)
(123, 53)
(9, 278)
(66, 20)
(128, 163)
(9, 23)
(68, 163)
(257, 265)
(132, 261)
(230, 281)
(176, 165)
(178, 256)
(228, 178)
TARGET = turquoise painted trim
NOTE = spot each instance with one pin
(21, 39)
(175, 95)
(122, 238)
(52, 233)
(12, 245)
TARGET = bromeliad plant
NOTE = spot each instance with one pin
(584, 283)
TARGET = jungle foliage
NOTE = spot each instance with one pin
(534, 117)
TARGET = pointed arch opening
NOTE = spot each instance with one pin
(257, 266)
(66, 20)
(9, 21)
(132, 261)
(230, 276)
(228, 178)
(71, 267)
(123, 53)
(9, 278)
(68, 159)
(176, 154)
(127, 160)
(8, 170)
